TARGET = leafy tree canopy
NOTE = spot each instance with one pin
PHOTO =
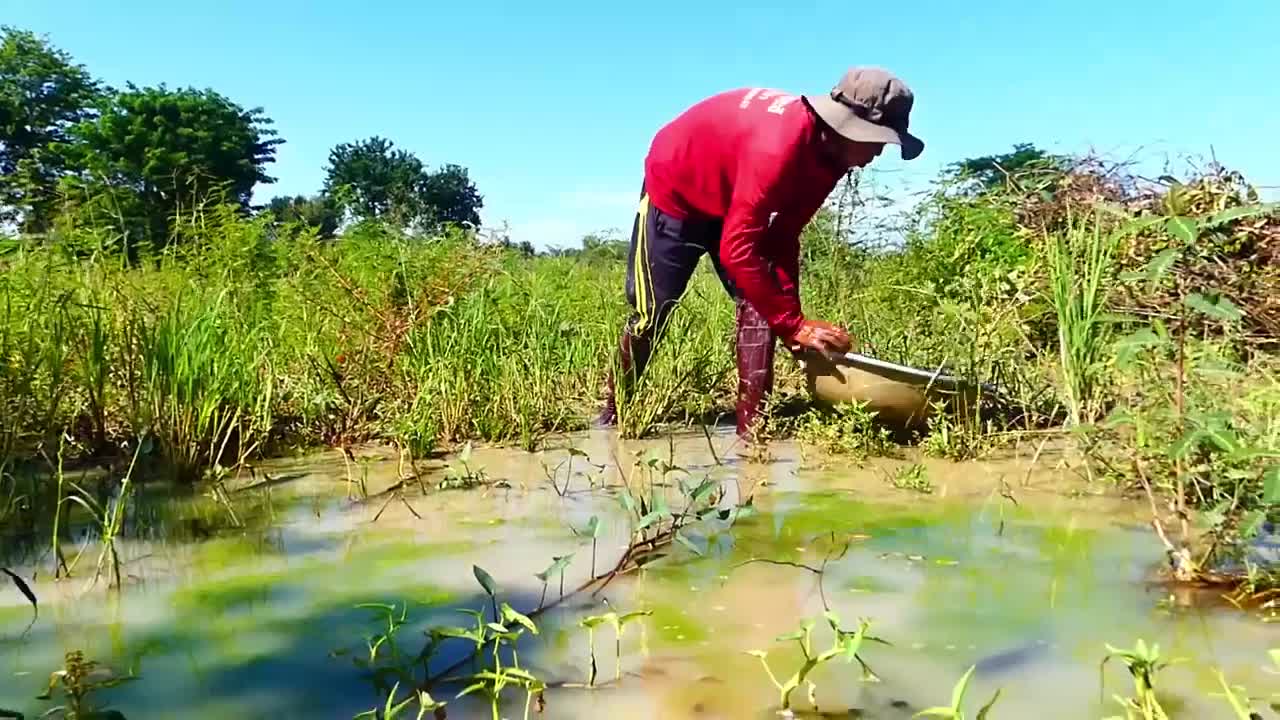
(42, 94)
(373, 180)
(318, 212)
(993, 171)
(170, 150)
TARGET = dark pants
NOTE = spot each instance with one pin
(663, 256)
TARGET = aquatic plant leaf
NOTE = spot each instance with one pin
(1241, 709)
(24, 589)
(962, 686)
(660, 504)
(625, 618)
(498, 628)
(648, 520)
(593, 621)
(485, 579)
(936, 712)
(470, 689)
(509, 615)
(704, 490)
(518, 673)
(758, 653)
(985, 709)
(593, 527)
(693, 548)
(575, 452)
(558, 564)
(628, 502)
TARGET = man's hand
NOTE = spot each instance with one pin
(822, 337)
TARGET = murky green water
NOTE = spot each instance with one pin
(263, 621)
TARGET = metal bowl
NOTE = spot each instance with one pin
(899, 395)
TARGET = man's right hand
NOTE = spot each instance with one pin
(821, 336)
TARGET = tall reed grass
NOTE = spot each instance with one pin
(1080, 268)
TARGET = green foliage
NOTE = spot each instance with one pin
(912, 477)
(42, 94)
(1026, 167)
(80, 679)
(845, 644)
(846, 429)
(154, 154)
(319, 213)
(1080, 272)
(372, 180)
(1144, 663)
(1197, 418)
(956, 710)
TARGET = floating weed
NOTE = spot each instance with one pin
(912, 477)
(110, 521)
(1237, 696)
(1239, 699)
(393, 710)
(845, 429)
(80, 679)
(1143, 663)
(956, 710)
(460, 474)
(619, 623)
(557, 567)
(493, 680)
(845, 643)
(951, 438)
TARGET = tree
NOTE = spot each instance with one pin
(319, 212)
(372, 180)
(993, 171)
(170, 150)
(451, 197)
(42, 94)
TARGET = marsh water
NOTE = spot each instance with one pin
(1026, 570)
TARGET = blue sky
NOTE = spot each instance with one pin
(551, 105)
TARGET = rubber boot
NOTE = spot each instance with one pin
(633, 356)
(755, 349)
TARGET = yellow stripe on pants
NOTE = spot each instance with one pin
(644, 283)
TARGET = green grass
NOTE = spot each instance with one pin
(246, 339)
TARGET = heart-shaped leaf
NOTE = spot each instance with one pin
(509, 615)
(485, 579)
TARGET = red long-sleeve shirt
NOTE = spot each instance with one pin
(742, 156)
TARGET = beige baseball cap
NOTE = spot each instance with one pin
(870, 104)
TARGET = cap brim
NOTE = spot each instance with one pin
(842, 120)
